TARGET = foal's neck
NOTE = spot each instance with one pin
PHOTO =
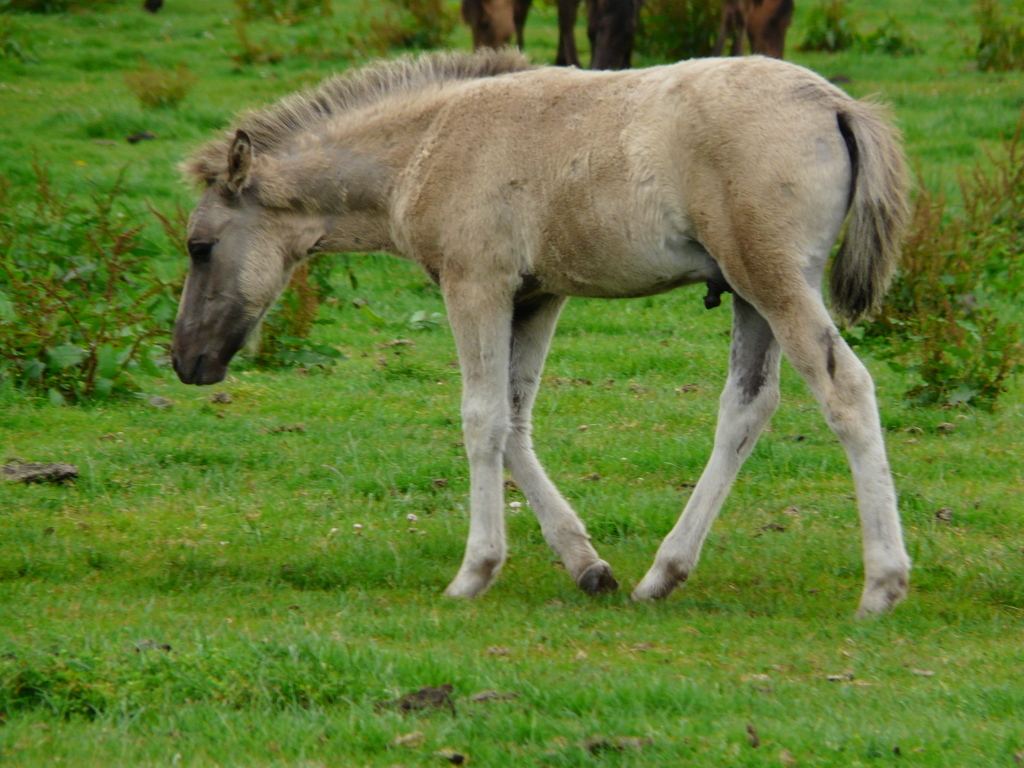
(353, 171)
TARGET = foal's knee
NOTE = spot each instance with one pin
(485, 430)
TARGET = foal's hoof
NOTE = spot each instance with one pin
(474, 577)
(658, 583)
(881, 594)
(597, 579)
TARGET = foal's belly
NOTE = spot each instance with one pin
(625, 271)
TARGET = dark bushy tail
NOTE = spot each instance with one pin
(879, 211)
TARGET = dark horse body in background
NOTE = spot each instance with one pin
(763, 21)
(611, 26)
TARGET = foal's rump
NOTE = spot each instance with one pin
(631, 183)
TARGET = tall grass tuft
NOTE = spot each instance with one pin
(160, 88)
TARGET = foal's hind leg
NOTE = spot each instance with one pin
(844, 389)
(532, 327)
(748, 401)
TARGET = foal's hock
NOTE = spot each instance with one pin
(516, 187)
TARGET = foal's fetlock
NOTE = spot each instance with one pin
(597, 579)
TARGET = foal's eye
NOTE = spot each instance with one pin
(200, 251)
(316, 246)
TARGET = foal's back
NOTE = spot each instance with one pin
(613, 183)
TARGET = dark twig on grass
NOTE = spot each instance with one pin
(18, 471)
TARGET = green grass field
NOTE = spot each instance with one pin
(201, 595)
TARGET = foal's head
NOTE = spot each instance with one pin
(304, 189)
(242, 253)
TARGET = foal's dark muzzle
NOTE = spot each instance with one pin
(203, 358)
(199, 370)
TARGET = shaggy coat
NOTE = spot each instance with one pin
(516, 187)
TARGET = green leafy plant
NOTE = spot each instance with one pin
(829, 28)
(943, 321)
(284, 335)
(678, 29)
(81, 303)
(1001, 41)
(160, 88)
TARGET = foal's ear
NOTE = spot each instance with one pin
(239, 161)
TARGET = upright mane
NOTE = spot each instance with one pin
(272, 126)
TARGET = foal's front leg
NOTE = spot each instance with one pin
(481, 321)
(532, 328)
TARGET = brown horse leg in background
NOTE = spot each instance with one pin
(731, 26)
(611, 26)
(764, 21)
(567, 55)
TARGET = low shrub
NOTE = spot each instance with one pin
(829, 28)
(679, 29)
(402, 24)
(81, 302)
(12, 41)
(945, 319)
(160, 88)
(253, 51)
(891, 38)
(1001, 40)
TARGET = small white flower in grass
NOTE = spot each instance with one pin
(411, 517)
(515, 506)
(357, 528)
